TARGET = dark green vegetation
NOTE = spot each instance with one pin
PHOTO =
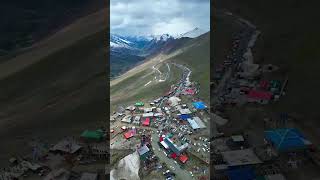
(61, 95)
(25, 22)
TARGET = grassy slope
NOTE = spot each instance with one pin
(60, 95)
(197, 50)
(134, 90)
(197, 58)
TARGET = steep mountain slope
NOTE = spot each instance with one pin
(24, 23)
(125, 53)
(196, 32)
(59, 94)
(122, 61)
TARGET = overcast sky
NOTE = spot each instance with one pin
(154, 17)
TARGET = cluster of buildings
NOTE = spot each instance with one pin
(235, 157)
(177, 119)
(59, 160)
(242, 81)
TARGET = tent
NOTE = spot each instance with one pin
(174, 101)
(199, 105)
(286, 139)
(190, 91)
(183, 158)
(96, 135)
(146, 122)
(139, 104)
(243, 173)
(184, 116)
(185, 111)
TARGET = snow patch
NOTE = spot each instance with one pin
(128, 168)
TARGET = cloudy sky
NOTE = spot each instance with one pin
(154, 17)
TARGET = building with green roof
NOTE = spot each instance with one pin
(139, 104)
(93, 135)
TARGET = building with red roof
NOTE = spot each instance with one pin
(146, 122)
(262, 97)
(183, 158)
(129, 134)
(189, 91)
(173, 155)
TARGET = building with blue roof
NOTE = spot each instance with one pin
(243, 173)
(184, 116)
(199, 105)
(286, 139)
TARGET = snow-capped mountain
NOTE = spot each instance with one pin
(138, 42)
(163, 37)
(193, 33)
(129, 42)
(117, 41)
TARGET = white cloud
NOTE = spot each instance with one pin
(145, 17)
(175, 26)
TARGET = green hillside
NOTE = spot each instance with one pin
(195, 55)
(197, 58)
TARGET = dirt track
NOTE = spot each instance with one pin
(148, 64)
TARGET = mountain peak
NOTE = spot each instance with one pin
(195, 32)
(163, 37)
